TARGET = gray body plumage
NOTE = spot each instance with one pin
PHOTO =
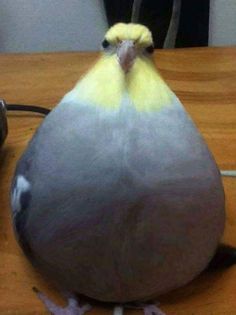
(121, 205)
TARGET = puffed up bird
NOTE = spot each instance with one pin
(117, 196)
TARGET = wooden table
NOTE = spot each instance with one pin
(205, 81)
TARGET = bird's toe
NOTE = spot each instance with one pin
(72, 308)
(152, 310)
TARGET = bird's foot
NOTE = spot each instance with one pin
(72, 308)
(152, 310)
(148, 308)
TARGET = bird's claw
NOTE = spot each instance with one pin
(72, 308)
(152, 310)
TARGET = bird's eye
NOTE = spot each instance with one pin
(150, 49)
(105, 43)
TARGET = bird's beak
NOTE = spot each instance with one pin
(126, 53)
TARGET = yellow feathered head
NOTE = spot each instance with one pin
(125, 71)
(128, 41)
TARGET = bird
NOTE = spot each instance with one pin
(117, 196)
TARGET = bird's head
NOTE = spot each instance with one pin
(127, 42)
(125, 73)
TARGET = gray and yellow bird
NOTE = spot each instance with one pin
(117, 196)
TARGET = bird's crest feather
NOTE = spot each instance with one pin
(140, 34)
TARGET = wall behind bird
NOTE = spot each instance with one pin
(222, 23)
(51, 25)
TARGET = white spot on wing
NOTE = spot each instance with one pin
(21, 186)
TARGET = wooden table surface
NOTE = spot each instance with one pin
(205, 81)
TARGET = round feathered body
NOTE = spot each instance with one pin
(117, 196)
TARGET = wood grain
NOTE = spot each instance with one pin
(205, 81)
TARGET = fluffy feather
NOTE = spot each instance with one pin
(105, 85)
(136, 32)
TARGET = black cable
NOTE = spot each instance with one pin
(28, 108)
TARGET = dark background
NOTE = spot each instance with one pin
(193, 20)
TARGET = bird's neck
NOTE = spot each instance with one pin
(106, 85)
